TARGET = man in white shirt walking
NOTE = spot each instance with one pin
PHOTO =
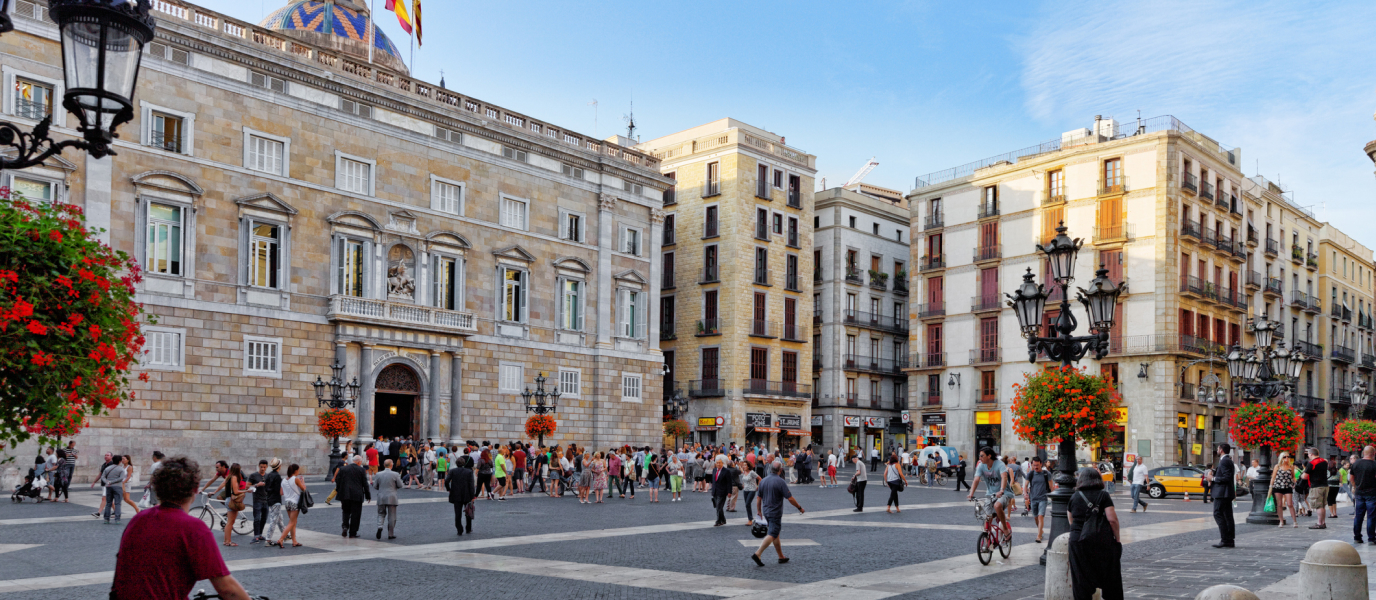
(1137, 474)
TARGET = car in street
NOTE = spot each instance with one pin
(1178, 480)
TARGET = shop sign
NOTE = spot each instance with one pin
(851, 421)
(790, 421)
(1197, 449)
(1182, 420)
(876, 422)
(797, 432)
(766, 429)
(988, 417)
(816, 420)
(1120, 415)
(934, 419)
(907, 418)
(1199, 423)
(758, 420)
(707, 421)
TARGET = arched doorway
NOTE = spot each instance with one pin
(395, 398)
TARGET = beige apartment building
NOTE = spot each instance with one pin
(1168, 212)
(1344, 277)
(736, 280)
(295, 204)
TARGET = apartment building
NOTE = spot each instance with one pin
(1165, 210)
(1344, 276)
(734, 277)
(295, 204)
(860, 261)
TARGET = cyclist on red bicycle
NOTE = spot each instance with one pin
(997, 482)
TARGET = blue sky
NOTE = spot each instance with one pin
(923, 86)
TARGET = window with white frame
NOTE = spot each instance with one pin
(162, 348)
(165, 131)
(265, 154)
(262, 356)
(352, 267)
(265, 255)
(630, 240)
(164, 249)
(571, 304)
(509, 378)
(514, 213)
(445, 279)
(630, 388)
(32, 99)
(631, 308)
(446, 196)
(570, 382)
(571, 226)
(514, 283)
(34, 189)
(355, 176)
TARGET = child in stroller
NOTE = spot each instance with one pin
(27, 490)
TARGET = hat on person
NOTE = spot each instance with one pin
(274, 463)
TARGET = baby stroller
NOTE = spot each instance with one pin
(28, 489)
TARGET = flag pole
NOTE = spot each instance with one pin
(372, 31)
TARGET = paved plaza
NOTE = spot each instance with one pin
(538, 547)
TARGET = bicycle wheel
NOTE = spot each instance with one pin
(243, 525)
(208, 517)
(985, 549)
(1006, 544)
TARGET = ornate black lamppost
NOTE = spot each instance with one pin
(536, 401)
(676, 402)
(102, 45)
(1263, 372)
(342, 395)
(1029, 303)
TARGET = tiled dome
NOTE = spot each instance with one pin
(332, 25)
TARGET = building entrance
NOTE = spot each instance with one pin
(395, 411)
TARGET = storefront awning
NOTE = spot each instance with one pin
(765, 429)
(796, 432)
(708, 428)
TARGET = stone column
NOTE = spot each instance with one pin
(99, 177)
(606, 238)
(456, 397)
(432, 423)
(656, 273)
(341, 356)
(365, 397)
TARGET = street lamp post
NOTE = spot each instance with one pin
(342, 395)
(1029, 303)
(102, 45)
(676, 402)
(1263, 372)
(541, 402)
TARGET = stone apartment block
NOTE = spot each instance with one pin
(860, 318)
(735, 281)
(294, 205)
(1344, 278)
(1167, 211)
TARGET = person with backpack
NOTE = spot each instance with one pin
(1096, 551)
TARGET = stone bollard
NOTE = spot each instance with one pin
(1225, 592)
(9, 478)
(1332, 570)
(1058, 572)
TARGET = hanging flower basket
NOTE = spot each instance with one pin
(538, 425)
(1061, 403)
(1353, 435)
(336, 422)
(1253, 425)
(676, 428)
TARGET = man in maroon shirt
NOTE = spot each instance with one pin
(164, 551)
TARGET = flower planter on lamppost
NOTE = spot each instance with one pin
(1029, 304)
(541, 402)
(1262, 372)
(342, 395)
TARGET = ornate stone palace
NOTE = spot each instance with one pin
(298, 200)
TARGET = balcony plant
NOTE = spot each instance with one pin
(676, 428)
(68, 322)
(1054, 404)
(1352, 435)
(1263, 424)
(540, 426)
(336, 422)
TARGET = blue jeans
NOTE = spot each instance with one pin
(1366, 509)
(1137, 496)
(114, 500)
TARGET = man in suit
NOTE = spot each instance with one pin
(1223, 493)
(394, 450)
(351, 486)
(387, 482)
(723, 477)
(462, 490)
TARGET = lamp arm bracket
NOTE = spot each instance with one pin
(32, 148)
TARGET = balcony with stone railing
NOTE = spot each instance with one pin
(400, 314)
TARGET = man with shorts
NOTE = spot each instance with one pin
(372, 461)
(773, 490)
(1318, 486)
(519, 457)
(831, 469)
(995, 477)
(1039, 484)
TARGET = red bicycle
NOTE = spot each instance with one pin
(994, 535)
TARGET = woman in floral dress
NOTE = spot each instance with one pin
(599, 475)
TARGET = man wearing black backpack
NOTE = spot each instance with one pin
(1223, 493)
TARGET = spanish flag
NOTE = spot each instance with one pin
(400, 9)
(415, 5)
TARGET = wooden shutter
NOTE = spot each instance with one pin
(935, 290)
(989, 283)
(759, 366)
(1050, 220)
(989, 235)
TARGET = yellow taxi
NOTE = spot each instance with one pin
(1174, 480)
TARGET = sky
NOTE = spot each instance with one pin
(924, 86)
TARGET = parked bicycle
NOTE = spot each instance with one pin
(994, 535)
(215, 519)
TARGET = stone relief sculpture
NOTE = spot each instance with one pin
(399, 280)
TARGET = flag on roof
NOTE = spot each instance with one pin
(399, 7)
(416, 9)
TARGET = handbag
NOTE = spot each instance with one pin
(145, 501)
(236, 502)
(851, 488)
(306, 501)
(469, 509)
(1017, 489)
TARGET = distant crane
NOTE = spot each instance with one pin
(860, 175)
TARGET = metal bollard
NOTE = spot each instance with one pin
(1225, 592)
(1332, 570)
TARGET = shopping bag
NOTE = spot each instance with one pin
(1270, 504)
